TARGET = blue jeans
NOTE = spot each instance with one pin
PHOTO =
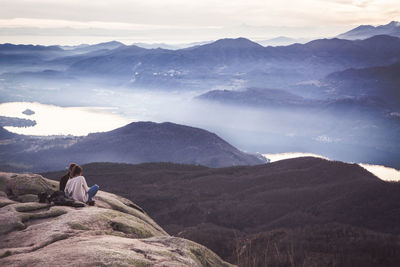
(92, 192)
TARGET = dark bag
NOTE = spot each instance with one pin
(43, 197)
(60, 199)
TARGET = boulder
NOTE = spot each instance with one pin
(114, 232)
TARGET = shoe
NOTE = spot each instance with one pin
(91, 203)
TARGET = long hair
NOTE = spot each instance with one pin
(76, 170)
(71, 166)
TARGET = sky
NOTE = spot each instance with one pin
(72, 22)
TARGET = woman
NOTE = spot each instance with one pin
(77, 188)
(65, 178)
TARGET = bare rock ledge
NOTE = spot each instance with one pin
(114, 232)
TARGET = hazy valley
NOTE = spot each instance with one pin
(181, 130)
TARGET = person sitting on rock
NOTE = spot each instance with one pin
(77, 188)
(65, 178)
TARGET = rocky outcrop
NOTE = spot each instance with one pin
(114, 232)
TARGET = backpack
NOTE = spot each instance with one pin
(60, 199)
(43, 197)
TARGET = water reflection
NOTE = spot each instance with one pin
(382, 172)
(55, 120)
(78, 121)
(385, 173)
(290, 155)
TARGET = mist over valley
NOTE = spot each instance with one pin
(277, 151)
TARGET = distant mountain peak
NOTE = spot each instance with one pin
(109, 45)
(93, 47)
(113, 42)
(382, 37)
(394, 24)
(363, 27)
(240, 42)
(140, 142)
(367, 31)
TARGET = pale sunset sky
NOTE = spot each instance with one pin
(71, 22)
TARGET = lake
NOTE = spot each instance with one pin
(80, 121)
(55, 120)
(382, 172)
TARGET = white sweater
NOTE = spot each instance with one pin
(77, 189)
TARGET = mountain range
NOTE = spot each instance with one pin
(239, 58)
(255, 97)
(379, 81)
(282, 41)
(367, 31)
(85, 48)
(368, 102)
(222, 62)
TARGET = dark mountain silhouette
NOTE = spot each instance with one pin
(13, 48)
(148, 142)
(256, 97)
(237, 43)
(12, 52)
(17, 122)
(170, 46)
(84, 48)
(4, 134)
(16, 49)
(281, 41)
(50, 57)
(226, 50)
(346, 52)
(112, 63)
(38, 76)
(315, 206)
(135, 143)
(27, 55)
(276, 98)
(367, 31)
(382, 82)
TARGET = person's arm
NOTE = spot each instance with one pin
(85, 186)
